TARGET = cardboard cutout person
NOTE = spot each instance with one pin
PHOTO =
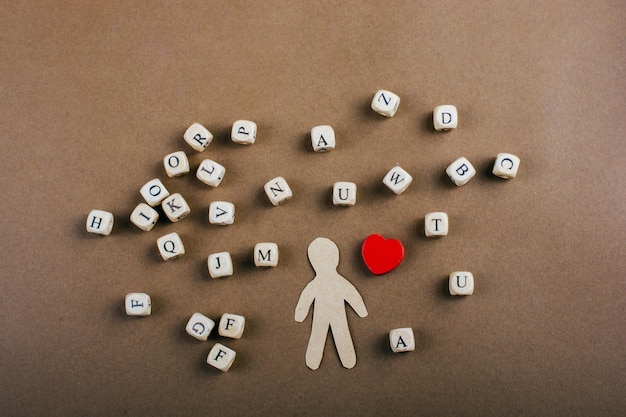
(329, 291)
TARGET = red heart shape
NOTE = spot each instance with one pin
(381, 255)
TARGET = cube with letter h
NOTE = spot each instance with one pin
(100, 222)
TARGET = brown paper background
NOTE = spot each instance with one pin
(95, 94)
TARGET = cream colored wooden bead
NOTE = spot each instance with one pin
(460, 171)
(266, 254)
(397, 180)
(278, 191)
(210, 172)
(154, 192)
(385, 103)
(506, 166)
(170, 246)
(138, 304)
(445, 117)
(144, 217)
(232, 325)
(221, 213)
(175, 207)
(200, 326)
(461, 283)
(243, 132)
(220, 265)
(402, 339)
(221, 357)
(198, 137)
(323, 138)
(100, 222)
(436, 224)
(344, 193)
(176, 164)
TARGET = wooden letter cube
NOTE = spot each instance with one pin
(231, 325)
(154, 192)
(138, 304)
(170, 246)
(243, 132)
(436, 224)
(210, 172)
(100, 222)
(344, 193)
(198, 137)
(398, 180)
(175, 207)
(176, 164)
(461, 283)
(323, 138)
(200, 326)
(144, 217)
(221, 212)
(266, 254)
(402, 340)
(460, 171)
(220, 265)
(278, 190)
(445, 117)
(385, 103)
(221, 357)
(506, 166)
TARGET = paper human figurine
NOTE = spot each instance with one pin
(328, 292)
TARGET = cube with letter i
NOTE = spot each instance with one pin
(144, 217)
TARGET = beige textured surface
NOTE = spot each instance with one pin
(95, 94)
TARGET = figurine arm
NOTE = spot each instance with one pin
(304, 303)
(356, 302)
